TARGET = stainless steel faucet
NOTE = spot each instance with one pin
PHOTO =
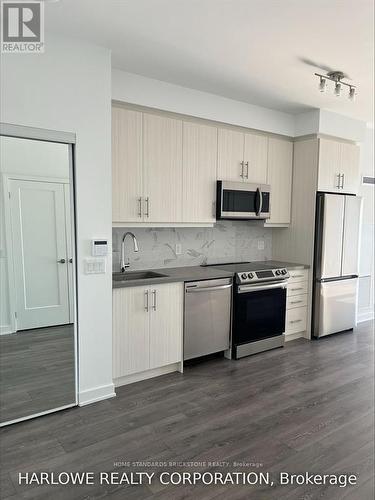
(124, 265)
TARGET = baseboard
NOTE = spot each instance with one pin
(365, 316)
(6, 329)
(137, 377)
(294, 336)
(96, 394)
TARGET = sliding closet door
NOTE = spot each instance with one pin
(38, 333)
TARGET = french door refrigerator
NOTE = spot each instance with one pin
(336, 254)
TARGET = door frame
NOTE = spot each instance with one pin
(68, 138)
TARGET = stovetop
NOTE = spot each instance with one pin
(254, 272)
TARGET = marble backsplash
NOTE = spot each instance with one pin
(229, 241)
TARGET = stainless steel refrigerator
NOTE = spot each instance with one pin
(336, 267)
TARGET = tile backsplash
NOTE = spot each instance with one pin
(229, 241)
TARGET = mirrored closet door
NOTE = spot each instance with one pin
(37, 264)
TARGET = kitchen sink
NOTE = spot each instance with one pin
(137, 275)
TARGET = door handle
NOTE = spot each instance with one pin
(140, 207)
(61, 261)
(208, 288)
(247, 170)
(146, 301)
(338, 181)
(154, 300)
(71, 261)
(147, 201)
(342, 181)
(242, 165)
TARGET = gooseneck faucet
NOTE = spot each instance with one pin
(124, 265)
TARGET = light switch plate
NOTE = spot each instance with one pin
(95, 266)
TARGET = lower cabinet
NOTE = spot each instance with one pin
(296, 304)
(147, 330)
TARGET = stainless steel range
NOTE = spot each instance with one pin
(259, 307)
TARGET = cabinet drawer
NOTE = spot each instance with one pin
(296, 301)
(298, 288)
(296, 320)
(298, 275)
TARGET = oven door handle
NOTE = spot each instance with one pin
(256, 288)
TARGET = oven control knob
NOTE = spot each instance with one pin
(278, 272)
(250, 276)
(244, 276)
(284, 271)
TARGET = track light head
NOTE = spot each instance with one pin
(337, 89)
(322, 84)
(352, 93)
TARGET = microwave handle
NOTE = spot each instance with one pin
(258, 202)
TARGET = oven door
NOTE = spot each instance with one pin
(259, 312)
(238, 200)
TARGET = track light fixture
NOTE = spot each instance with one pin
(337, 78)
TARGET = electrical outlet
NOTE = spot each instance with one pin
(178, 249)
(260, 244)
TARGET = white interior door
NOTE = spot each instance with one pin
(332, 235)
(39, 253)
(350, 246)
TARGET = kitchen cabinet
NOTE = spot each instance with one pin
(242, 156)
(296, 304)
(127, 181)
(162, 164)
(280, 168)
(199, 163)
(147, 329)
(338, 166)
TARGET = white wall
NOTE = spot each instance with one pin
(68, 88)
(366, 269)
(136, 89)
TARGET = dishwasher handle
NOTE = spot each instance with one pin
(208, 288)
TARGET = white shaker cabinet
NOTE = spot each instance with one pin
(242, 156)
(280, 168)
(162, 165)
(127, 183)
(199, 161)
(147, 330)
(255, 158)
(338, 166)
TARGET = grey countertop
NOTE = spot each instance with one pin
(193, 273)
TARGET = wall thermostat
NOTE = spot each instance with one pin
(99, 248)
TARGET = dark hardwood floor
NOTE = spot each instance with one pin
(307, 407)
(36, 371)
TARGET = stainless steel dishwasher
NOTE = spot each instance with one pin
(207, 317)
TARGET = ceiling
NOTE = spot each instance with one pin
(249, 50)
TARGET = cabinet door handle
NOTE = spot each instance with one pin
(61, 261)
(296, 289)
(242, 165)
(146, 301)
(247, 170)
(295, 321)
(140, 207)
(342, 181)
(154, 300)
(147, 202)
(297, 276)
(338, 181)
(295, 301)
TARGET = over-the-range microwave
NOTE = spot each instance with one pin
(241, 200)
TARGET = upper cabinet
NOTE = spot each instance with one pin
(338, 166)
(127, 184)
(242, 156)
(199, 161)
(162, 167)
(280, 168)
